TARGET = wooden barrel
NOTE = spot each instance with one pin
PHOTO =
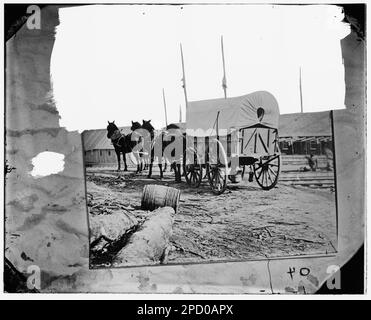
(155, 196)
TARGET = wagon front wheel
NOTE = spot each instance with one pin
(193, 174)
(266, 171)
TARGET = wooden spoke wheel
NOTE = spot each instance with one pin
(217, 177)
(193, 174)
(217, 173)
(266, 171)
(192, 168)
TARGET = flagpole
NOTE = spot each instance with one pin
(184, 78)
(163, 96)
(224, 81)
(301, 93)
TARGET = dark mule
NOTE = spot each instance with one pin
(148, 133)
(172, 139)
(125, 144)
(174, 135)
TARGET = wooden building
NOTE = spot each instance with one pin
(305, 133)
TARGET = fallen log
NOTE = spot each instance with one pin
(110, 225)
(106, 228)
(149, 245)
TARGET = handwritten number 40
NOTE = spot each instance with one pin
(302, 271)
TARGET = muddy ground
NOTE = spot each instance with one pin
(243, 223)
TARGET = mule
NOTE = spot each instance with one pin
(126, 144)
(172, 135)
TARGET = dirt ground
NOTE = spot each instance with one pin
(243, 223)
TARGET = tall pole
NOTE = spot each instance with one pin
(163, 96)
(224, 81)
(184, 78)
(180, 113)
(301, 93)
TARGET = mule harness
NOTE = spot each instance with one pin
(116, 136)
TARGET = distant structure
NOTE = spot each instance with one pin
(305, 133)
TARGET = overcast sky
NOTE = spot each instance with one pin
(111, 62)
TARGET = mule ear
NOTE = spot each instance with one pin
(113, 121)
(132, 122)
(108, 121)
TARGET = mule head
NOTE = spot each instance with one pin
(135, 125)
(111, 128)
(147, 126)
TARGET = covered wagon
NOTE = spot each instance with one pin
(226, 136)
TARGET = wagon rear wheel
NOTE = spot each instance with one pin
(217, 176)
(192, 168)
(193, 174)
(266, 171)
(218, 171)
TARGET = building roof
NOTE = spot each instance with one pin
(307, 124)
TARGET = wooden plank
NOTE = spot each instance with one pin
(310, 174)
(328, 181)
(262, 142)
(311, 182)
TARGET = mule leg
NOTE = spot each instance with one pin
(173, 165)
(150, 170)
(140, 163)
(150, 165)
(152, 156)
(125, 166)
(178, 177)
(161, 172)
(137, 157)
(118, 160)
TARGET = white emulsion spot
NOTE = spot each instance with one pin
(47, 163)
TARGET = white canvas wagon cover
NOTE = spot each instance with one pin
(235, 113)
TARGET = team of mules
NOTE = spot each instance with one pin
(148, 147)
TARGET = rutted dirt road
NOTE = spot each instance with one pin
(243, 223)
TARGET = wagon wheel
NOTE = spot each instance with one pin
(217, 173)
(193, 173)
(266, 171)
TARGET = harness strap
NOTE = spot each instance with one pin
(116, 137)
